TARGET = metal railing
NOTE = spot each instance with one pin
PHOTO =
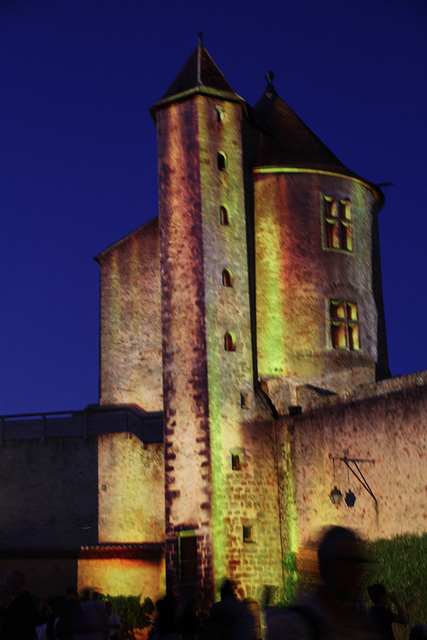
(147, 426)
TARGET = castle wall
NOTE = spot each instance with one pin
(121, 576)
(130, 326)
(388, 426)
(49, 493)
(44, 577)
(131, 490)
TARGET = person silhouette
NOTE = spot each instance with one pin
(332, 612)
(380, 614)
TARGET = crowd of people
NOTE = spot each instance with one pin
(22, 617)
(333, 611)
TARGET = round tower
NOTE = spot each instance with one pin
(319, 310)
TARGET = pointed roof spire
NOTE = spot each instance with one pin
(200, 73)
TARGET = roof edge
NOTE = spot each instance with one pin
(99, 255)
(203, 90)
(325, 172)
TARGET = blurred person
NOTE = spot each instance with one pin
(189, 622)
(331, 613)
(166, 625)
(418, 632)
(92, 621)
(113, 621)
(381, 615)
(19, 618)
(230, 619)
(253, 608)
(66, 614)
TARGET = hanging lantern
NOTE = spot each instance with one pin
(335, 496)
(350, 498)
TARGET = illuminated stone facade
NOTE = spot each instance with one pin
(249, 315)
(256, 294)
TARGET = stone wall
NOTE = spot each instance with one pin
(44, 577)
(131, 490)
(130, 328)
(49, 493)
(251, 499)
(387, 427)
(122, 576)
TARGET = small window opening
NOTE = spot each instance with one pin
(222, 161)
(187, 556)
(229, 342)
(235, 462)
(244, 400)
(227, 278)
(219, 114)
(248, 533)
(223, 216)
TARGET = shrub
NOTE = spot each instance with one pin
(401, 564)
(132, 614)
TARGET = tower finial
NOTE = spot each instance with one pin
(269, 76)
(200, 34)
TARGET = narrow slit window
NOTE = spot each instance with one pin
(222, 161)
(224, 218)
(236, 464)
(248, 533)
(219, 115)
(244, 400)
(227, 278)
(229, 342)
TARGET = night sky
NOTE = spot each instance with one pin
(78, 160)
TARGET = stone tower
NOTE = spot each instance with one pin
(207, 358)
(319, 309)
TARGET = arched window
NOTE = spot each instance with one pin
(222, 161)
(227, 278)
(223, 216)
(229, 342)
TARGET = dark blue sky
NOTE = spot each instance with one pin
(78, 151)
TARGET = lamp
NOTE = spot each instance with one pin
(350, 498)
(335, 496)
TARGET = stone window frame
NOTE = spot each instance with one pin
(248, 533)
(229, 341)
(224, 216)
(227, 278)
(338, 224)
(344, 322)
(222, 161)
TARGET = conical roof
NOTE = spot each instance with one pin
(287, 140)
(199, 70)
